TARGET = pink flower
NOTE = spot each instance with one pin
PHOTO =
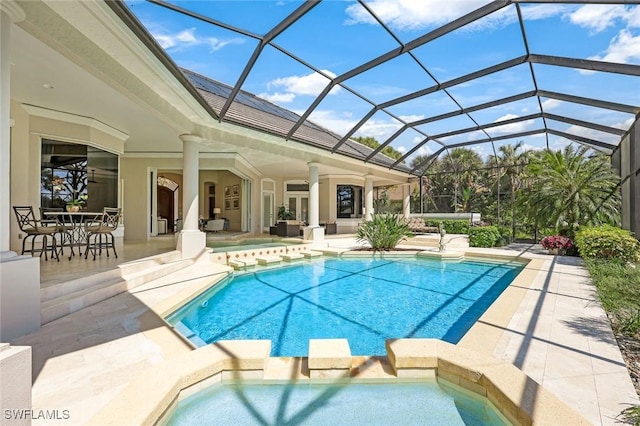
(556, 241)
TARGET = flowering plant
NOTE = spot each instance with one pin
(556, 242)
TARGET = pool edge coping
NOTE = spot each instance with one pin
(150, 396)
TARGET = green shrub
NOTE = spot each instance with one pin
(383, 231)
(505, 235)
(607, 242)
(452, 226)
(483, 236)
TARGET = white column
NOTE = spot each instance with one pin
(406, 200)
(314, 196)
(368, 197)
(19, 275)
(191, 241)
(10, 12)
(314, 232)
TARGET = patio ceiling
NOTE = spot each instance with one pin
(434, 113)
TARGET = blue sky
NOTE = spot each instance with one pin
(337, 36)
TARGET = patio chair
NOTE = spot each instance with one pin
(100, 228)
(64, 229)
(34, 229)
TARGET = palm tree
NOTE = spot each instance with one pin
(572, 189)
(511, 164)
(464, 164)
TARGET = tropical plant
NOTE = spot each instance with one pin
(383, 231)
(556, 242)
(285, 214)
(511, 160)
(573, 189)
(388, 150)
(608, 242)
(484, 236)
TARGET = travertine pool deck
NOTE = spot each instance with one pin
(547, 323)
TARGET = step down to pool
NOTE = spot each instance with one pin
(266, 260)
(443, 255)
(311, 253)
(291, 257)
(333, 251)
(242, 264)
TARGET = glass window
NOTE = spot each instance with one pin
(298, 187)
(75, 173)
(350, 201)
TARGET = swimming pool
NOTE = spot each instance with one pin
(365, 300)
(425, 403)
(250, 243)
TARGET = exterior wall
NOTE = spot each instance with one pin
(24, 175)
(26, 136)
(326, 201)
(135, 205)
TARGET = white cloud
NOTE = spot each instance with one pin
(380, 130)
(548, 104)
(527, 147)
(544, 11)
(278, 98)
(520, 126)
(597, 17)
(624, 48)
(338, 123)
(298, 85)
(310, 84)
(412, 118)
(401, 149)
(592, 134)
(411, 14)
(187, 38)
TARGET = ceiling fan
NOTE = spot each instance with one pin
(92, 179)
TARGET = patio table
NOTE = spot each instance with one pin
(75, 222)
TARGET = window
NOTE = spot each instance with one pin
(350, 201)
(77, 173)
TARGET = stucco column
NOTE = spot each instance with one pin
(191, 241)
(368, 197)
(19, 275)
(406, 200)
(314, 232)
(10, 12)
(314, 195)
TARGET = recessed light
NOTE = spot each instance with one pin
(48, 86)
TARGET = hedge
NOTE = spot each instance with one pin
(484, 236)
(608, 242)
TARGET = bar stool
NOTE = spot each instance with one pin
(34, 229)
(64, 230)
(102, 227)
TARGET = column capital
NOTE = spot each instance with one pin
(12, 10)
(311, 164)
(188, 137)
(369, 176)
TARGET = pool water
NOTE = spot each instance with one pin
(425, 403)
(363, 300)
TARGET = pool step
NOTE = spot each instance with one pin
(311, 253)
(267, 260)
(242, 264)
(291, 257)
(333, 251)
